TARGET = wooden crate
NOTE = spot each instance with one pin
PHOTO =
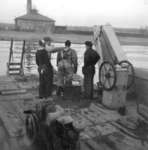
(72, 92)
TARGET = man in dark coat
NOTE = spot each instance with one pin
(45, 70)
(91, 57)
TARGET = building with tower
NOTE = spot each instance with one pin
(34, 21)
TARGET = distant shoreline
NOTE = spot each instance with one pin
(75, 38)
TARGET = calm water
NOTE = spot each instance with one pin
(137, 55)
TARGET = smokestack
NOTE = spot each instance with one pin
(29, 6)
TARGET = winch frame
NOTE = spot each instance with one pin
(112, 55)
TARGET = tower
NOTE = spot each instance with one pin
(29, 6)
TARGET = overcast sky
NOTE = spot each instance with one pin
(120, 13)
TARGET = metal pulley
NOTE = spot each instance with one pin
(108, 75)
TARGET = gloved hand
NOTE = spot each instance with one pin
(42, 71)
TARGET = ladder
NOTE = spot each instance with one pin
(16, 57)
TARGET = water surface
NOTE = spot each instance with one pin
(137, 55)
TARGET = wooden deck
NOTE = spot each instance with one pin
(101, 127)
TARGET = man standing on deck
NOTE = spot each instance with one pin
(91, 57)
(45, 70)
(67, 66)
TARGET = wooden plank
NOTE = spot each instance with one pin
(8, 82)
(81, 117)
(105, 147)
(16, 97)
(5, 79)
(94, 118)
(105, 129)
(106, 114)
(93, 145)
(14, 64)
(84, 146)
(14, 69)
(88, 115)
(123, 130)
(84, 136)
(105, 110)
(114, 43)
(107, 54)
(100, 109)
(14, 73)
(90, 133)
(16, 91)
(4, 83)
(96, 109)
(106, 143)
(97, 43)
(122, 145)
(10, 86)
(131, 141)
(81, 122)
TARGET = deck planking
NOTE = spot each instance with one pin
(100, 129)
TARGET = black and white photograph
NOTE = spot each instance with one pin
(74, 75)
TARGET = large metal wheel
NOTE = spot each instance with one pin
(131, 72)
(107, 75)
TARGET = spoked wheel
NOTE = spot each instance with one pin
(131, 72)
(107, 75)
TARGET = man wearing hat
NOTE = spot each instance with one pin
(45, 71)
(66, 63)
(91, 57)
(50, 49)
(67, 66)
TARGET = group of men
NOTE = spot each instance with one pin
(67, 64)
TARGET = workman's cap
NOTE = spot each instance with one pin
(88, 43)
(42, 43)
(68, 43)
